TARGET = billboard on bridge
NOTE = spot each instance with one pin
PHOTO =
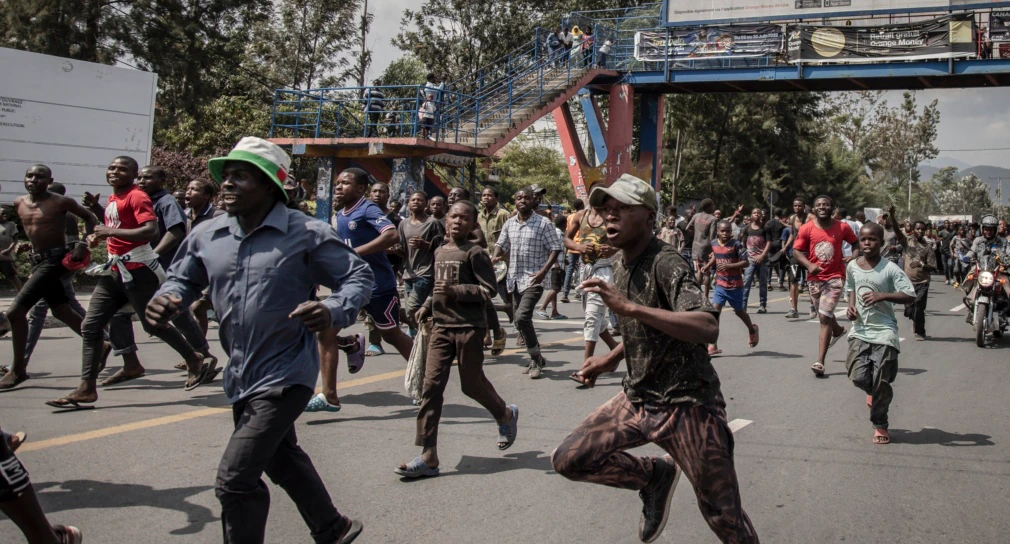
(940, 38)
(715, 42)
(696, 12)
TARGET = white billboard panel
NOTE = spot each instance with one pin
(694, 12)
(72, 116)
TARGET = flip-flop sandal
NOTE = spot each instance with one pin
(753, 339)
(352, 532)
(507, 431)
(196, 381)
(4, 370)
(560, 316)
(68, 404)
(880, 440)
(715, 351)
(374, 350)
(180, 366)
(542, 314)
(17, 381)
(818, 369)
(21, 437)
(356, 360)
(120, 377)
(319, 403)
(68, 534)
(417, 469)
(498, 344)
(211, 372)
(577, 377)
(835, 339)
(521, 342)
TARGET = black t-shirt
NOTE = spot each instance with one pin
(775, 228)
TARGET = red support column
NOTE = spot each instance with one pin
(650, 155)
(575, 156)
(620, 128)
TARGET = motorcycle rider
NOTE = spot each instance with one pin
(987, 242)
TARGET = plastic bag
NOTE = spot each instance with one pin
(413, 380)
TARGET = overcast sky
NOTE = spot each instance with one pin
(969, 118)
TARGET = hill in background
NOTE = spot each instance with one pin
(984, 172)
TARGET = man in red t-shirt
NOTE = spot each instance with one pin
(818, 247)
(130, 225)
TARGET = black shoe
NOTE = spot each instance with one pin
(656, 499)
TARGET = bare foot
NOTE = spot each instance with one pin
(881, 436)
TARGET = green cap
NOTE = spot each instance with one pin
(627, 189)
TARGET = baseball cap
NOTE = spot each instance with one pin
(268, 157)
(627, 189)
(537, 190)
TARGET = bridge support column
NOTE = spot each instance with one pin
(650, 156)
(406, 177)
(575, 156)
(620, 131)
(328, 168)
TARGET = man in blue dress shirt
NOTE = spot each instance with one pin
(260, 265)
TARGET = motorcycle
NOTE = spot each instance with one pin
(992, 298)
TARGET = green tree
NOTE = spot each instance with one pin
(523, 165)
(966, 196)
(77, 29)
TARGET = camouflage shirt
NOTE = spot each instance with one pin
(662, 369)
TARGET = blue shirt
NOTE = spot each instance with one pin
(170, 214)
(360, 225)
(256, 280)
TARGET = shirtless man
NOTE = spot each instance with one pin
(44, 216)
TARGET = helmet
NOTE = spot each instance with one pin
(990, 221)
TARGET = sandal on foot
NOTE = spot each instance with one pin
(834, 339)
(206, 369)
(712, 350)
(68, 534)
(374, 350)
(542, 314)
(319, 403)
(4, 369)
(559, 316)
(521, 342)
(354, 528)
(818, 369)
(356, 360)
(753, 338)
(498, 344)
(18, 380)
(881, 439)
(120, 377)
(507, 431)
(68, 404)
(17, 439)
(180, 366)
(417, 469)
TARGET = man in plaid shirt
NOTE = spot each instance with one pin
(533, 247)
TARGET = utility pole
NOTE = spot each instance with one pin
(999, 195)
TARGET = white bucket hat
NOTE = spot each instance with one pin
(267, 156)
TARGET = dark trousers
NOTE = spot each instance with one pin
(872, 368)
(916, 311)
(110, 295)
(697, 437)
(123, 340)
(571, 272)
(523, 304)
(445, 346)
(264, 441)
(418, 290)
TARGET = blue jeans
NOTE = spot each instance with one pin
(948, 265)
(418, 290)
(763, 274)
(570, 270)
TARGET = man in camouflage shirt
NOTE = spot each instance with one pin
(671, 394)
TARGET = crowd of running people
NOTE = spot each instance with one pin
(284, 288)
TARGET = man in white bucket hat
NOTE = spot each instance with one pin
(260, 265)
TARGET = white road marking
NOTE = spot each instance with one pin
(738, 424)
(957, 308)
(901, 340)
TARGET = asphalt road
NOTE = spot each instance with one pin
(141, 467)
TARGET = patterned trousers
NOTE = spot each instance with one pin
(697, 437)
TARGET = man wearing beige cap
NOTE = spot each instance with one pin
(671, 394)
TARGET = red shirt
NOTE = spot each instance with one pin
(129, 210)
(827, 248)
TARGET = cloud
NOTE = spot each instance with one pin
(385, 26)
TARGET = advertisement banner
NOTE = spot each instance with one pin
(710, 43)
(941, 38)
(999, 26)
(697, 12)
